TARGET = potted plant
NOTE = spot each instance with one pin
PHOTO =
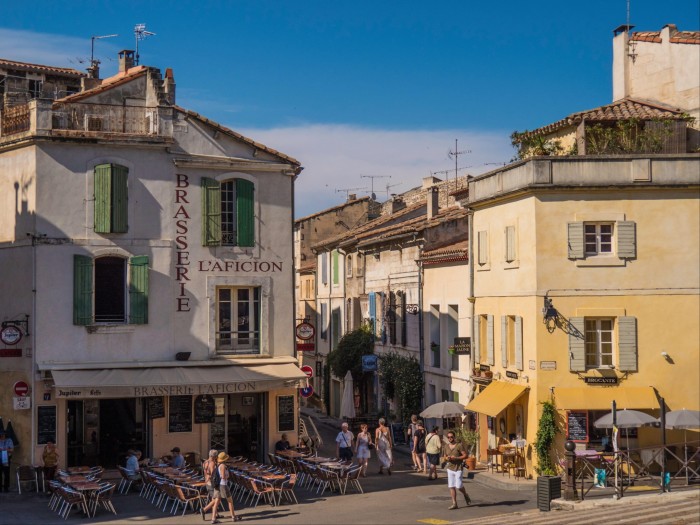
(434, 346)
(470, 438)
(451, 349)
(487, 373)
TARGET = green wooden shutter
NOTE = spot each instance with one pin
(577, 345)
(627, 343)
(120, 199)
(626, 240)
(245, 212)
(103, 198)
(211, 212)
(138, 290)
(504, 341)
(519, 343)
(577, 246)
(82, 290)
(336, 277)
(489, 340)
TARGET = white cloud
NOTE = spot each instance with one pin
(335, 156)
(53, 50)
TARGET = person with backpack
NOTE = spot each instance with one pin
(419, 447)
(208, 469)
(433, 446)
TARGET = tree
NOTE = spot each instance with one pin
(546, 430)
(401, 379)
(348, 354)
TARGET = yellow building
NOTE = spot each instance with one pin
(586, 280)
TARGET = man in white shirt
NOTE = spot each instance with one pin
(6, 448)
(343, 443)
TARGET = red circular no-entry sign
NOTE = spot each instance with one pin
(308, 371)
(21, 388)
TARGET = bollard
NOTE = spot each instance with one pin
(570, 490)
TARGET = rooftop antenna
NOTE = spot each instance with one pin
(92, 47)
(348, 190)
(631, 44)
(140, 33)
(456, 153)
(374, 196)
(389, 186)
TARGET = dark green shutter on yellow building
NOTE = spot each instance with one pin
(82, 290)
(138, 290)
(111, 199)
(245, 212)
(211, 212)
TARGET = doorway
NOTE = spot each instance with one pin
(122, 425)
(237, 427)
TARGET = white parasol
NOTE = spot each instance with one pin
(347, 405)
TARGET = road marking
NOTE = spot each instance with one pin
(432, 521)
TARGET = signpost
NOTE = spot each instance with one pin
(308, 371)
(21, 388)
(306, 392)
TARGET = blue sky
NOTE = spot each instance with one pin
(359, 88)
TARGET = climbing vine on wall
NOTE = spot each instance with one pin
(402, 380)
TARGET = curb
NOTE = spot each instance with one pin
(562, 504)
(495, 483)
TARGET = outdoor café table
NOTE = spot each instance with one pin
(291, 454)
(87, 489)
(73, 478)
(78, 470)
(317, 460)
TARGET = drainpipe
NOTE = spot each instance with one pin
(421, 353)
(472, 298)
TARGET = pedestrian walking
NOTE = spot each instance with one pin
(208, 468)
(419, 447)
(454, 454)
(7, 446)
(362, 446)
(343, 443)
(412, 426)
(433, 446)
(382, 438)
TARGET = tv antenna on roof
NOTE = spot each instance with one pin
(94, 62)
(348, 190)
(374, 196)
(456, 153)
(140, 33)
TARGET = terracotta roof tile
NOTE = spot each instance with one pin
(67, 71)
(107, 84)
(622, 109)
(679, 37)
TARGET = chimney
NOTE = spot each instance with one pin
(352, 197)
(433, 202)
(397, 203)
(126, 60)
(169, 86)
(94, 69)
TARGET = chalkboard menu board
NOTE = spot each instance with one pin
(204, 409)
(46, 421)
(156, 407)
(577, 426)
(397, 433)
(285, 413)
(180, 414)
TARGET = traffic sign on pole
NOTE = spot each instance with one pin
(308, 371)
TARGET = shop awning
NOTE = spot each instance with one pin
(177, 380)
(496, 397)
(600, 398)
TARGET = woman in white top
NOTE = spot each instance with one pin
(364, 438)
(382, 437)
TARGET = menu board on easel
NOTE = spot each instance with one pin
(204, 407)
(285, 413)
(179, 414)
(577, 426)
(46, 425)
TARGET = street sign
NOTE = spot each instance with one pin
(308, 371)
(369, 363)
(306, 392)
(305, 331)
(22, 402)
(306, 347)
(10, 335)
(21, 388)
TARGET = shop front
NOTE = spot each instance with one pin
(105, 412)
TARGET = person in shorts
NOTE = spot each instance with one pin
(343, 443)
(208, 468)
(433, 445)
(224, 491)
(454, 454)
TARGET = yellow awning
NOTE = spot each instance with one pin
(495, 398)
(600, 398)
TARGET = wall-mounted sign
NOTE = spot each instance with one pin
(306, 392)
(204, 408)
(46, 425)
(10, 335)
(512, 375)
(10, 352)
(21, 402)
(21, 388)
(305, 331)
(285, 413)
(412, 309)
(600, 380)
(532, 364)
(462, 346)
(306, 347)
(577, 426)
(548, 365)
(308, 371)
(369, 363)
(485, 368)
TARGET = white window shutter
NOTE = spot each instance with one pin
(627, 343)
(577, 345)
(626, 240)
(475, 343)
(504, 341)
(489, 340)
(577, 246)
(519, 343)
(510, 243)
(483, 247)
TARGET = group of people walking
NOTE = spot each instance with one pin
(427, 451)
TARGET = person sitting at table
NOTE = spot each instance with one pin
(132, 465)
(282, 444)
(50, 459)
(177, 460)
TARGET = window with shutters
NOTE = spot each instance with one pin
(435, 346)
(110, 290)
(598, 239)
(392, 317)
(228, 212)
(359, 265)
(336, 327)
(348, 265)
(111, 198)
(599, 342)
(483, 249)
(336, 267)
(601, 242)
(324, 321)
(511, 245)
(324, 268)
(452, 332)
(238, 320)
